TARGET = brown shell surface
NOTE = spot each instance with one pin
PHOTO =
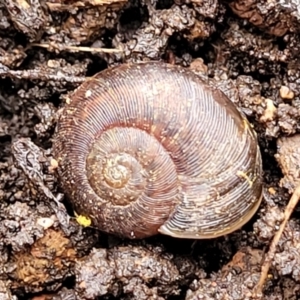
(184, 161)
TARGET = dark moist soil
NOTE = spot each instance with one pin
(250, 49)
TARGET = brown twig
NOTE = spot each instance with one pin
(39, 75)
(271, 253)
(61, 47)
(85, 3)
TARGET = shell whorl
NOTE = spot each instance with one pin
(147, 148)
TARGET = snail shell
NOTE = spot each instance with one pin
(148, 148)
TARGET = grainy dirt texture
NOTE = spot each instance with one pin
(249, 49)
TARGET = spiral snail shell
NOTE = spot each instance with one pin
(148, 148)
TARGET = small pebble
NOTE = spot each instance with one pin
(286, 93)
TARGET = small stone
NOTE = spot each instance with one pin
(269, 112)
(51, 63)
(272, 191)
(198, 66)
(18, 195)
(286, 93)
(53, 165)
(45, 222)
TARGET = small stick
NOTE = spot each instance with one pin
(39, 75)
(76, 48)
(91, 3)
(271, 253)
